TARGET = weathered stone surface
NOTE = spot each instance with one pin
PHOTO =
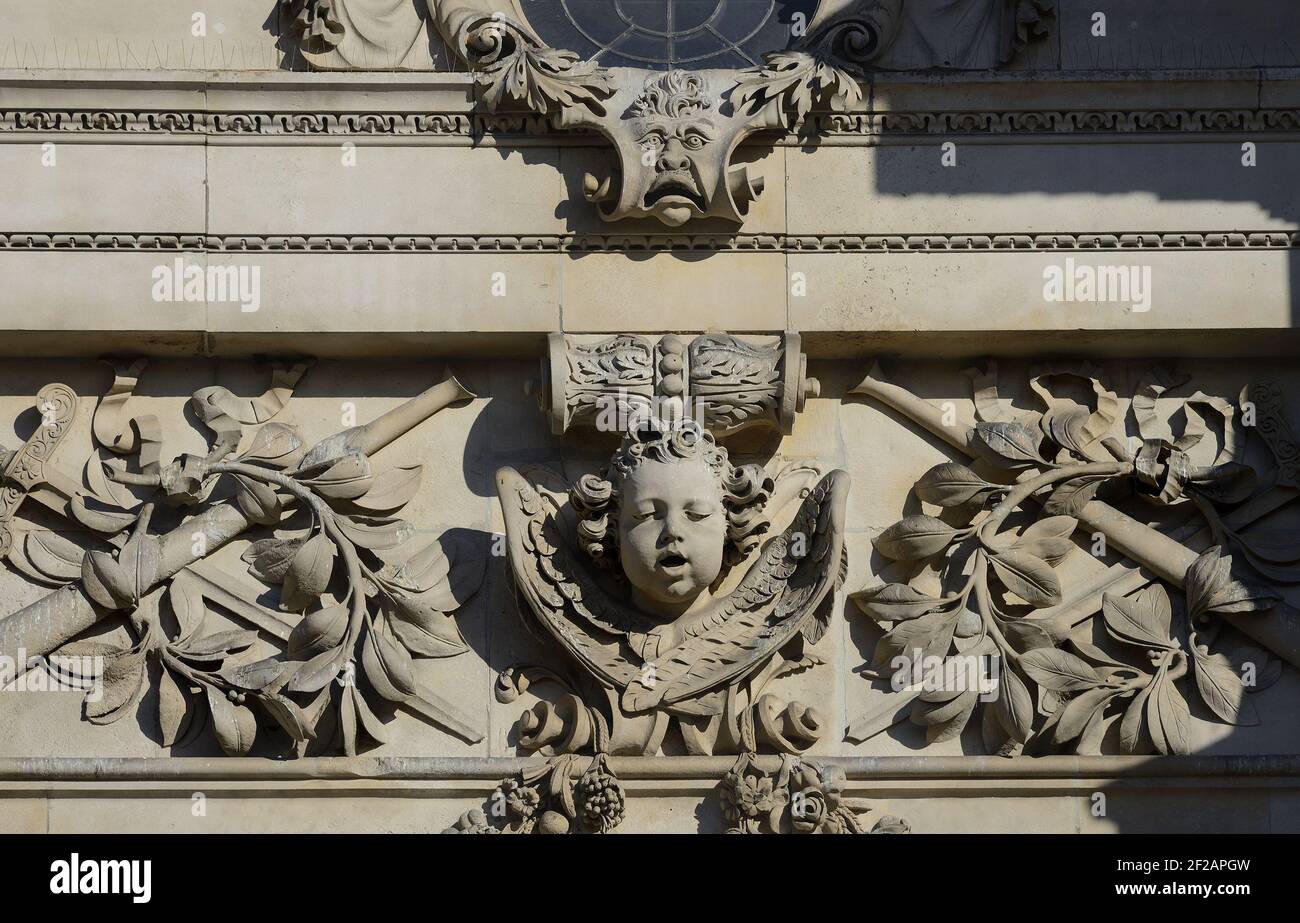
(1072, 253)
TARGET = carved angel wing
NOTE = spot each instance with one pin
(778, 598)
(598, 631)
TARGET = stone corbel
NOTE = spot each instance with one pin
(674, 134)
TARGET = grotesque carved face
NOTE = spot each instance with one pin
(674, 143)
(672, 530)
(673, 131)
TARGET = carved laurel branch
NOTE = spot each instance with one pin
(1055, 688)
(367, 590)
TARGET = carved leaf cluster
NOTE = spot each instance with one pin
(1054, 687)
(797, 82)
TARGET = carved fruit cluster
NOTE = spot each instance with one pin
(548, 799)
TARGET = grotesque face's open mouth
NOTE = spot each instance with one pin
(674, 188)
(672, 559)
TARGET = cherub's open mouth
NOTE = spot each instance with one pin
(678, 185)
(672, 560)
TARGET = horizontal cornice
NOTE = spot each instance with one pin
(570, 243)
(306, 125)
(1200, 771)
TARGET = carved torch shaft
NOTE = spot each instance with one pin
(55, 619)
(1277, 629)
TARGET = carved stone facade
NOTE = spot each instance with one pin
(863, 417)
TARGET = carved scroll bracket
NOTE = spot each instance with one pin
(724, 382)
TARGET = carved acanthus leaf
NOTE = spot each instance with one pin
(512, 63)
(796, 82)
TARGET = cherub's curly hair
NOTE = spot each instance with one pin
(745, 489)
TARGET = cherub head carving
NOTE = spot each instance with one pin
(669, 513)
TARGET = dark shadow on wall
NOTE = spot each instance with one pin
(1201, 173)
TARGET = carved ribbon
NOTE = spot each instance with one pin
(226, 414)
(127, 435)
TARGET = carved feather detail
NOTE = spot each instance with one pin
(780, 596)
(561, 593)
(773, 603)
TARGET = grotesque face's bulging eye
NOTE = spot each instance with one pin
(694, 142)
(653, 140)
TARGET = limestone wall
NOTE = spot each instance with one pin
(396, 228)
